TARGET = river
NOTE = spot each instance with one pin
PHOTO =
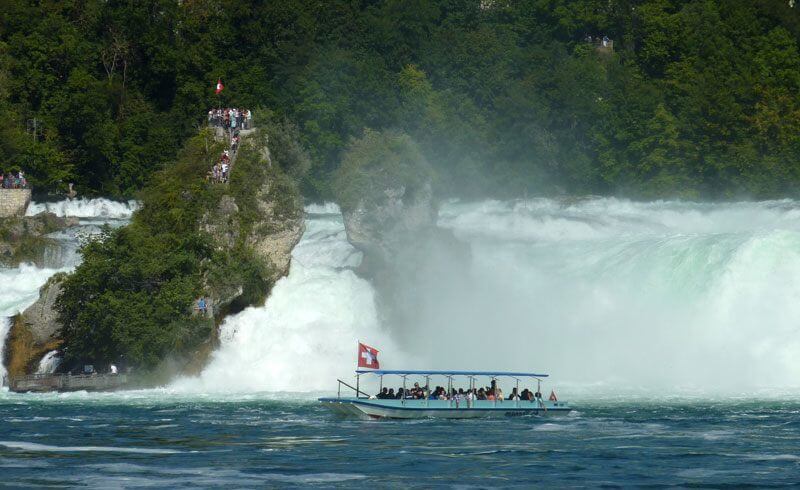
(671, 326)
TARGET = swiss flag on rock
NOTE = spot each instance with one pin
(219, 86)
(367, 357)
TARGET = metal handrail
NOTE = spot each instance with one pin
(339, 392)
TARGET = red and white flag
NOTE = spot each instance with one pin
(553, 397)
(367, 357)
(219, 86)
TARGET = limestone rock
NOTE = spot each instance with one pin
(35, 332)
(379, 229)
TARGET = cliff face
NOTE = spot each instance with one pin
(403, 248)
(35, 332)
(379, 228)
(262, 213)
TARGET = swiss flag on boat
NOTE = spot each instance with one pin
(219, 86)
(553, 397)
(367, 357)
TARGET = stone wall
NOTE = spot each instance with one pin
(14, 202)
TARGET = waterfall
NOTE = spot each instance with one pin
(603, 293)
(97, 208)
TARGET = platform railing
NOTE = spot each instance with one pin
(339, 390)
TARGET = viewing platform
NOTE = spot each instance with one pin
(14, 202)
(67, 382)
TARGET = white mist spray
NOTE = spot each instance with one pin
(644, 296)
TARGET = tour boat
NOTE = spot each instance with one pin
(366, 406)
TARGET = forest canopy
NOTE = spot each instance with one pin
(696, 99)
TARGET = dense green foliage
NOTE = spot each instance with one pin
(131, 298)
(376, 162)
(698, 98)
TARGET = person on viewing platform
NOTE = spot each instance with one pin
(113, 369)
(201, 305)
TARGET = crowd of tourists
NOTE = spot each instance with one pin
(491, 393)
(221, 170)
(231, 118)
(12, 180)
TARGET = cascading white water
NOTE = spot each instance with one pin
(19, 287)
(97, 208)
(49, 363)
(305, 336)
(646, 295)
(599, 292)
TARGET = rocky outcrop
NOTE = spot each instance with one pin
(35, 331)
(403, 248)
(269, 221)
(24, 238)
(277, 232)
(380, 229)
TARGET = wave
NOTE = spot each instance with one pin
(35, 447)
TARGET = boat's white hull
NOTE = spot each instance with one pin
(418, 409)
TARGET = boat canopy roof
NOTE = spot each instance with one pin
(492, 374)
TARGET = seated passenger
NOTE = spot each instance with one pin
(384, 394)
(499, 395)
(481, 394)
(390, 395)
(400, 394)
(514, 395)
(526, 395)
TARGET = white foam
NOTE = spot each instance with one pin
(324, 208)
(86, 208)
(49, 363)
(34, 447)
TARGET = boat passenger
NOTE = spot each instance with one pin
(499, 395)
(514, 395)
(384, 394)
(481, 394)
(400, 394)
(390, 395)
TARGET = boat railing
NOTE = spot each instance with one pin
(339, 390)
